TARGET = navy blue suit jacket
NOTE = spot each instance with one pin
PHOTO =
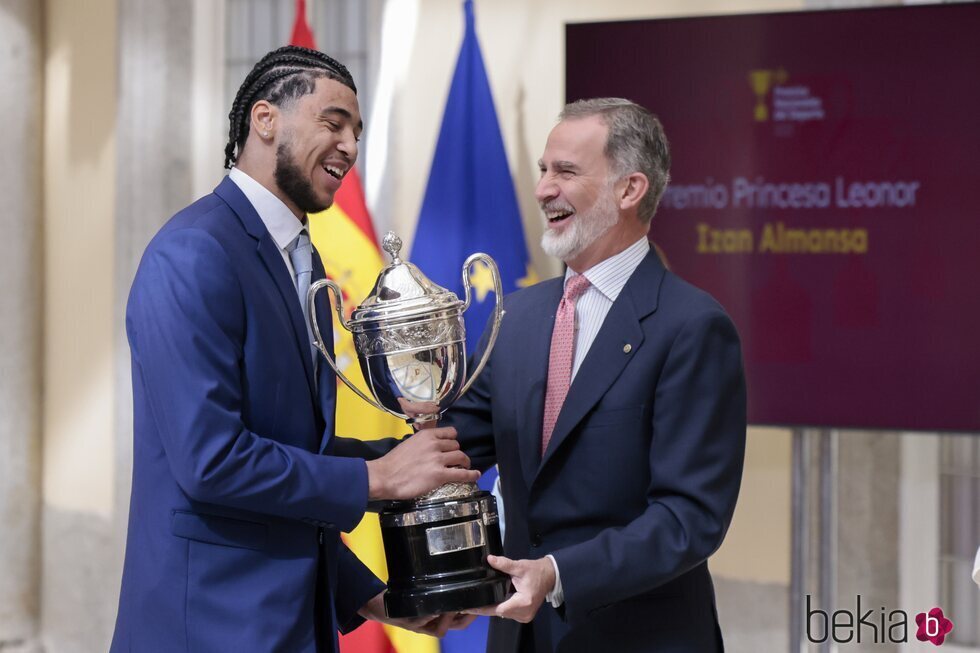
(235, 499)
(639, 481)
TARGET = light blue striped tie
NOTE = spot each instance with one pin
(301, 256)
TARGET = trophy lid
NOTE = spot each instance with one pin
(401, 291)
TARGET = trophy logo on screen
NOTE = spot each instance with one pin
(411, 345)
(761, 82)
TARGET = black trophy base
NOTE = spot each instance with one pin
(452, 597)
(437, 555)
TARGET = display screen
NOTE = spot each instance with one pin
(826, 168)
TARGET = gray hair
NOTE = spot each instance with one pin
(636, 143)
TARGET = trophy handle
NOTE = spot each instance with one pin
(498, 310)
(318, 339)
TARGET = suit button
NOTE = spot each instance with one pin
(536, 540)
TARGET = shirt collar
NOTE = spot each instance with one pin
(610, 275)
(283, 226)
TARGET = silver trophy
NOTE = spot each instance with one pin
(411, 344)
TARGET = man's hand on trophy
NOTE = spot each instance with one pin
(420, 463)
(438, 625)
(532, 580)
(435, 625)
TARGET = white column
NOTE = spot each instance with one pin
(160, 104)
(20, 321)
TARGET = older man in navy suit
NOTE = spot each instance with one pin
(238, 495)
(614, 403)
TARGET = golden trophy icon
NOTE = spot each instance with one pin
(761, 80)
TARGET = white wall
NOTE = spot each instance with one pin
(79, 192)
(21, 271)
(79, 581)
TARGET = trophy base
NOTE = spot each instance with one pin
(437, 549)
(452, 597)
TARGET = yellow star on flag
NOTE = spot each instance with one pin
(529, 279)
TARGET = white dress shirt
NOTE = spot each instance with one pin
(282, 224)
(607, 279)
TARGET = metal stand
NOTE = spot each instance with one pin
(814, 523)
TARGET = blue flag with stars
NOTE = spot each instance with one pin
(470, 203)
(471, 206)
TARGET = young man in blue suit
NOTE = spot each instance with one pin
(238, 496)
(614, 404)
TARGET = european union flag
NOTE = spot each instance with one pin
(470, 204)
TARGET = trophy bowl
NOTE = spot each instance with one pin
(410, 341)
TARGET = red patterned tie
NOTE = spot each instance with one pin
(560, 361)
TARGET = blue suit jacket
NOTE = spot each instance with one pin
(235, 501)
(639, 482)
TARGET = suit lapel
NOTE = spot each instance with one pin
(268, 251)
(533, 352)
(609, 353)
(326, 379)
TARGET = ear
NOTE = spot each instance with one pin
(263, 119)
(632, 189)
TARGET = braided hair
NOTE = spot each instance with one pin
(279, 77)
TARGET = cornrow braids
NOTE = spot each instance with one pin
(279, 77)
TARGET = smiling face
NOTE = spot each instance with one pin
(578, 194)
(570, 232)
(316, 145)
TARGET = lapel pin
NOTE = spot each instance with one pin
(627, 348)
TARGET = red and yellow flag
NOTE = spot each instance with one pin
(345, 239)
(348, 246)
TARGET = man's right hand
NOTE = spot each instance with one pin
(422, 462)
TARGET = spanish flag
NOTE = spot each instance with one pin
(348, 246)
(345, 239)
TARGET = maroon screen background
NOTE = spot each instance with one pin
(887, 338)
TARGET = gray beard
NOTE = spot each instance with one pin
(587, 228)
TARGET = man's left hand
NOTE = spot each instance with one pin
(434, 625)
(532, 580)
